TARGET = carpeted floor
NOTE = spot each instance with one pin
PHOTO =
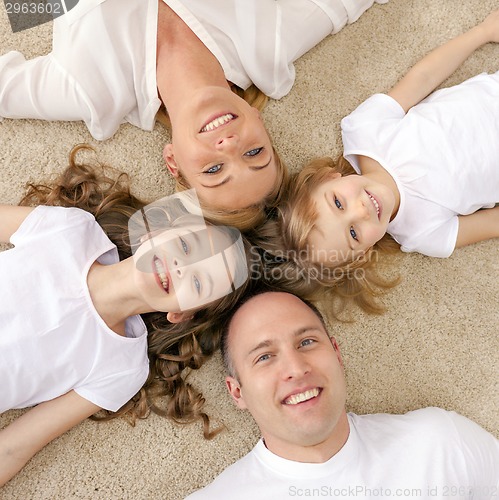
(436, 346)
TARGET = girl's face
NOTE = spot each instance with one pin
(178, 270)
(220, 146)
(353, 214)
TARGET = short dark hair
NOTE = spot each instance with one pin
(224, 340)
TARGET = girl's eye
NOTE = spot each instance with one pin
(254, 152)
(338, 203)
(197, 284)
(214, 169)
(185, 248)
(353, 234)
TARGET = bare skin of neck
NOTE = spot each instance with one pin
(183, 63)
(112, 294)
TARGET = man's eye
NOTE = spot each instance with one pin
(254, 152)
(185, 248)
(263, 357)
(306, 342)
(197, 284)
(338, 203)
(353, 234)
(214, 169)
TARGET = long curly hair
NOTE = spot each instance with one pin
(331, 286)
(174, 349)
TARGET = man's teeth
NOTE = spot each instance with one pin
(375, 203)
(304, 396)
(217, 122)
(160, 270)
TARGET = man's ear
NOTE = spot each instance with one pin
(235, 391)
(178, 317)
(170, 162)
(336, 347)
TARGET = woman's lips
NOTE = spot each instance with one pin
(217, 121)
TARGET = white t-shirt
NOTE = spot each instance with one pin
(103, 65)
(443, 154)
(52, 339)
(428, 453)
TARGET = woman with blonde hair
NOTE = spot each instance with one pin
(115, 61)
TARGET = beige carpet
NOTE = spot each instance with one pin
(437, 345)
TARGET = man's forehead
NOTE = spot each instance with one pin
(266, 314)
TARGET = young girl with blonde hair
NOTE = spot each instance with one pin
(426, 166)
(88, 285)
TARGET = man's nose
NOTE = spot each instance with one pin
(295, 365)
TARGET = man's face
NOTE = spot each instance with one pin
(289, 375)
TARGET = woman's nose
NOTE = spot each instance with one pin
(227, 142)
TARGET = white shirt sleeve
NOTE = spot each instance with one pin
(39, 88)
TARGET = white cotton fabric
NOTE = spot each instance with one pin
(102, 69)
(428, 453)
(443, 154)
(52, 339)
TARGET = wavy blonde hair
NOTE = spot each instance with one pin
(174, 349)
(357, 281)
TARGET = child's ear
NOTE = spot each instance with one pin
(170, 162)
(334, 175)
(179, 317)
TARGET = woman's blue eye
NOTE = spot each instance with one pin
(197, 284)
(214, 169)
(185, 248)
(254, 152)
(338, 203)
(353, 234)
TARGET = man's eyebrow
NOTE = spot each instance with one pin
(300, 331)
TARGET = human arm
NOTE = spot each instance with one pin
(28, 434)
(434, 68)
(479, 226)
(11, 217)
(38, 88)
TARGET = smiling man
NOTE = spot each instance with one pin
(288, 373)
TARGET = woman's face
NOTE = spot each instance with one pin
(220, 146)
(179, 269)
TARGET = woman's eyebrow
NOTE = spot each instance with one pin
(227, 179)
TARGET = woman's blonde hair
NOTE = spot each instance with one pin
(356, 281)
(174, 349)
(254, 215)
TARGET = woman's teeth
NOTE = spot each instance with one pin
(160, 271)
(221, 120)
